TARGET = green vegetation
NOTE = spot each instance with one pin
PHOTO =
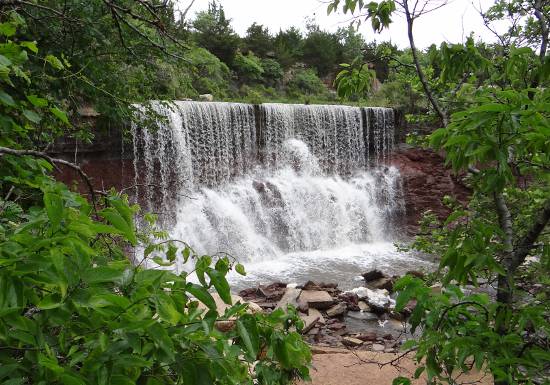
(74, 309)
(492, 103)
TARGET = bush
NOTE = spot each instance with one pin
(306, 82)
(210, 74)
(248, 67)
(273, 72)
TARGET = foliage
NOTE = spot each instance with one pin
(258, 40)
(213, 31)
(272, 71)
(321, 50)
(288, 47)
(209, 74)
(74, 309)
(307, 82)
(498, 132)
(354, 79)
(248, 67)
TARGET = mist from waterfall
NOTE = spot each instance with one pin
(266, 182)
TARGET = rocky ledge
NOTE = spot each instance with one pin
(363, 318)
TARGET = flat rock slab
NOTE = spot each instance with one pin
(290, 297)
(337, 310)
(316, 299)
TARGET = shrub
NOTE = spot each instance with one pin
(306, 82)
(273, 72)
(248, 67)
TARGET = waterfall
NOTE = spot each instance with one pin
(260, 182)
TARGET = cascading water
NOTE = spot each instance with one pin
(273, 183)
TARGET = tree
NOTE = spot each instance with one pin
(352, 43)
(288, 47)
(501, 137)
(322, 50)
(214, 32)
(258, 40)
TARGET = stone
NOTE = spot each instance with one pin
(316, 299)
(273, 292)
(290, 297)
(221, 306)
(337, 310)
(363, 306)
(352, 342)
(436, 289)
(336, 326)
(206, 97)
(309, 321)
(313, 331)
(382, 283)
(397, 316)
(310, 285)
(351, 300)
(317, 313)
(373, 275)
(225, 326)
(378, 347)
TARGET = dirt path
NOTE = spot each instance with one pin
(342, 367)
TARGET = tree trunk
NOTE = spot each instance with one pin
(420, 72)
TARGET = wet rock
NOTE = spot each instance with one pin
(250, 293)
(373, 275)
(336, 326)
(363, 306)
(206, 97)
(337, 310)
(290, 297)
(317, 313)
(351, 300)
(274, 291)
(267, 305)
(378, 347)
(397, 316)
(382, 284)
(316, 299)
(310, 285)
(309, 321)
(352, 342)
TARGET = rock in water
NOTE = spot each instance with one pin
(316, 299)
(373, 275)
(337, 310)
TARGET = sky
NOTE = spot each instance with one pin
(452, 23)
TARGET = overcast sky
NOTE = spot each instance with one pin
(451, 23)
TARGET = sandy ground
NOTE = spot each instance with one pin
(341, 367)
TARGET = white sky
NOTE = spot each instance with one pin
(452, 23)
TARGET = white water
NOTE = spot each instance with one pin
(322, 204)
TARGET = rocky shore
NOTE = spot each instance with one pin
(362, 318)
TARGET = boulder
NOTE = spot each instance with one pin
(290, 297)
(316, 299)
(378, 347)
(206, 97)
(352, 342)
(351, 300)
(309, 321)
(368, 336)
(363, 306)
(373, 275)
(363, 316)
(317, 313)
(310, 285)
(337, 310)
(384, 283)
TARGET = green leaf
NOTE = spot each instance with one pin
(32, 116)
(30, 45)
(119, 223)
(240, 269)
(401, 381)
(248, 331)
(60, 115)
(7, 29)
(202, 295)
(6, 99)
(221, 285)
(54, 208)
(37, 101)
(54, 62)
(166, 309)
